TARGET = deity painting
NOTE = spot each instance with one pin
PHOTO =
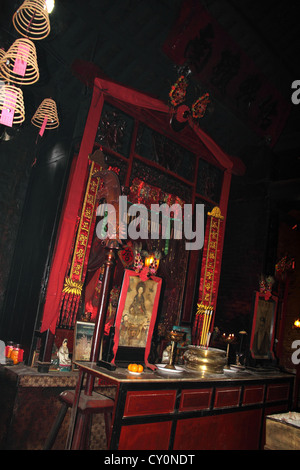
(262, 338)
(83, 341)
(137, 312)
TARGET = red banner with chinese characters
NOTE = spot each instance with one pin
(86, 226)
(209, 278)
(72, 288)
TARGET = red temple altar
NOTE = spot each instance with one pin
(134, 133)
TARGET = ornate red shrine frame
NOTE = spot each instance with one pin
(135, 318)
(159, 113)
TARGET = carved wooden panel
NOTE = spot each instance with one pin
(146, 436)
(226, 397)
(149, 402)
(192, 400)
(253, 394)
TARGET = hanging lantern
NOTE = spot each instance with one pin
(46, 116)
(11, 105)
(19, 64)
(31, 19)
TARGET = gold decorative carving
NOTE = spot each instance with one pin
(72, 287)
(216, 212)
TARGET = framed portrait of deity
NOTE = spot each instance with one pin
(135, 318)
(83, 337)
(263, 326)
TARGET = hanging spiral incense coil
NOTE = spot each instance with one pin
(19, 64)
(46, 115)
(31, 19)
(12, 109)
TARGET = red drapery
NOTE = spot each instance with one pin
(76, 185)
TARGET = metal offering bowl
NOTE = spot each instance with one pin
(205, 360)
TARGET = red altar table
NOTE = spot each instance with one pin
(158, 411)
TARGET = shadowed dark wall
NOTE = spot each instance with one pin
(34, 239)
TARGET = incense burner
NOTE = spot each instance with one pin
(205, 360)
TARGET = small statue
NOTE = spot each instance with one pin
(64, 361)
(166, 355)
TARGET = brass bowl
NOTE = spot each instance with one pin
(205, 360)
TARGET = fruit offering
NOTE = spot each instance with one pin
(138, 368)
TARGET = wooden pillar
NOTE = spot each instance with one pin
(44, 361)
(79, 429)
(109, 268)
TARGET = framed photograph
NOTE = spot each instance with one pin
(83, 337)
(135, 318)
(263, 326)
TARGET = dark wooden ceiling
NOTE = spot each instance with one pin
(124, 39)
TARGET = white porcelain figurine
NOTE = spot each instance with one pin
(64, 360)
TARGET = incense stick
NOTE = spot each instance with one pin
(203, 327)
(205, 334)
